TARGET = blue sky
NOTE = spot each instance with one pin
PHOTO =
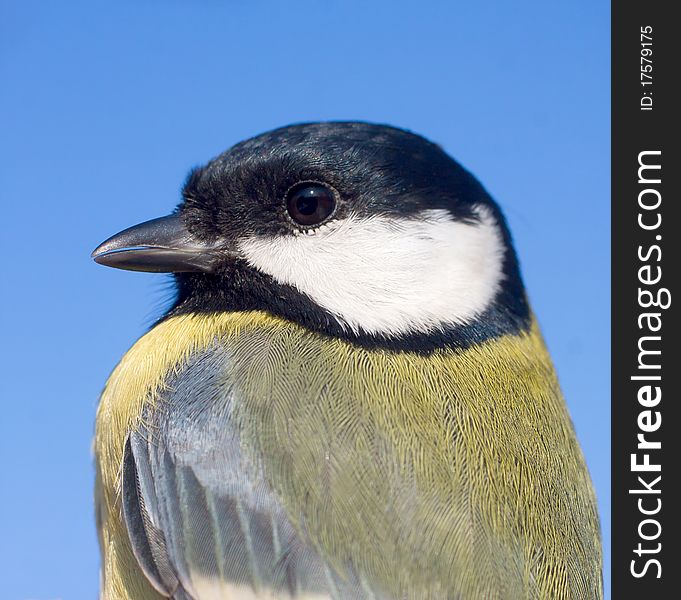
(106, 105)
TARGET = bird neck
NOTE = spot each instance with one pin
(239, 288)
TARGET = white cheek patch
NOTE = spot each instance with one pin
(390, 275)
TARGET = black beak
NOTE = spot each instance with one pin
(161, 245)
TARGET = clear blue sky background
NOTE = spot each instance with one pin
(104, 106)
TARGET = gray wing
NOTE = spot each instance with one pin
(202, 520)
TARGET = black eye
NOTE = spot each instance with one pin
(310, 203)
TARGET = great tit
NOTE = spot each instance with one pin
(349, 397)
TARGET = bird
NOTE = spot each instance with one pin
(349, 396)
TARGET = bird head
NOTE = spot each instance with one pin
(354, 230)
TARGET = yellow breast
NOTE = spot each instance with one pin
(486, 426)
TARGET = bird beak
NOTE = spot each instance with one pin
(161, 245)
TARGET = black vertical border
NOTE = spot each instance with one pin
(634, 131)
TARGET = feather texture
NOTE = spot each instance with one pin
(278, 463)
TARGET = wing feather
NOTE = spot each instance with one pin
(201, 518)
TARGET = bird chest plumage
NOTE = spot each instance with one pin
(421, 458)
